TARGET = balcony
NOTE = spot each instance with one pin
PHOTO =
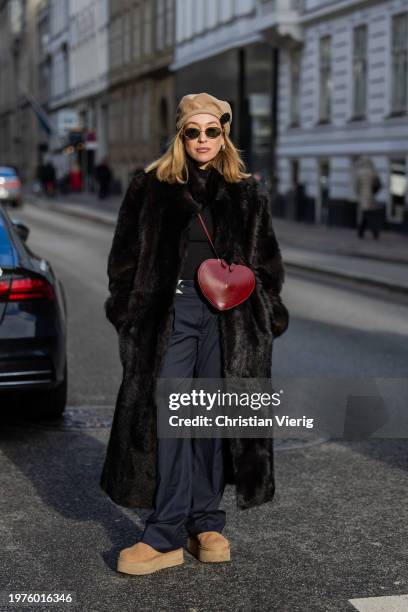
(277, 20)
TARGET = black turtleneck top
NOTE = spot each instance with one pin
(199, 247)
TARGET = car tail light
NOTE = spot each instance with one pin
(22, 288)
(4, 288)
(13, 184)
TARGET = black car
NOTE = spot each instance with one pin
(33, 325)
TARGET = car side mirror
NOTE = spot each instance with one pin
(21, 228)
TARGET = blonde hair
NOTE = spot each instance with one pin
(172, 166)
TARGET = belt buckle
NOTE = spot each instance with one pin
(178, 290)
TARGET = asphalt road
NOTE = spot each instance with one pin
(336, 529)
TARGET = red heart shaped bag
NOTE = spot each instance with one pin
(224, 285)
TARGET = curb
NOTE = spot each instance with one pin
(350, 276)
(350, 253)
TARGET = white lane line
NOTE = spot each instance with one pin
(394, 603)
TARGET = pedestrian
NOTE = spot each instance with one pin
(42, 177)
(50, 177)
(168, 328)
(75, 178)
(366, 184)
(103, 175)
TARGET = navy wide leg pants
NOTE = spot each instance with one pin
(190, 479)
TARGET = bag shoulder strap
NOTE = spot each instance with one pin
(207, 233)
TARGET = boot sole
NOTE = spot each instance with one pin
(208, 556)
(140, 568)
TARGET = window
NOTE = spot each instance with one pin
(325, 79)
(65, 63)
(399, 86)
(160, 24)
(59, 72)
(126, 118)
(115, 41)
(164, 24)
(397, 188)
(294, 86)
(360, 71)
(115, 110)
(294, 173)
(59, 15)
(127, 39)
(324, 190)
(136, 32)
(44, 70)
(16, 16)
(136, 117)
(146, 114)
(169, 22)
(147, 26)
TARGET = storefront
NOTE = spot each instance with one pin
(243, 77)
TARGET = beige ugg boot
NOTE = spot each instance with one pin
(141, 558)
(209, 546)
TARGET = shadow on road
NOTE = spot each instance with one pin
(64, 467)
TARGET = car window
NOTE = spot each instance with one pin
(6, 248)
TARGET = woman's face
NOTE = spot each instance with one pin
(203, 148)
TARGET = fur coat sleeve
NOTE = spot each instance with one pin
(267, 260)
(123, 256)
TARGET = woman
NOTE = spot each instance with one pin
(167, 328)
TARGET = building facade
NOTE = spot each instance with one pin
(77, 48)
(141, 85)
(19, 127)
(230, 48)
(312, 84)
(347, 83)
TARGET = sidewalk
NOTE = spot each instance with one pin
(338, 251)
(334, 251)
(391, 246)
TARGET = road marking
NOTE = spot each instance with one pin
(394, 603)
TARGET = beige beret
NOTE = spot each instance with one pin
(192, 104)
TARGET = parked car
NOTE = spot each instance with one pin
(10, 187)
(33, 325)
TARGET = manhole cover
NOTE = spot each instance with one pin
(74, 419)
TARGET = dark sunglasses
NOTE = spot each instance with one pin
(211, 132)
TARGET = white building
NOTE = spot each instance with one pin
(88, 68)
(228, 48)
(311, 84)
(347, 84)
